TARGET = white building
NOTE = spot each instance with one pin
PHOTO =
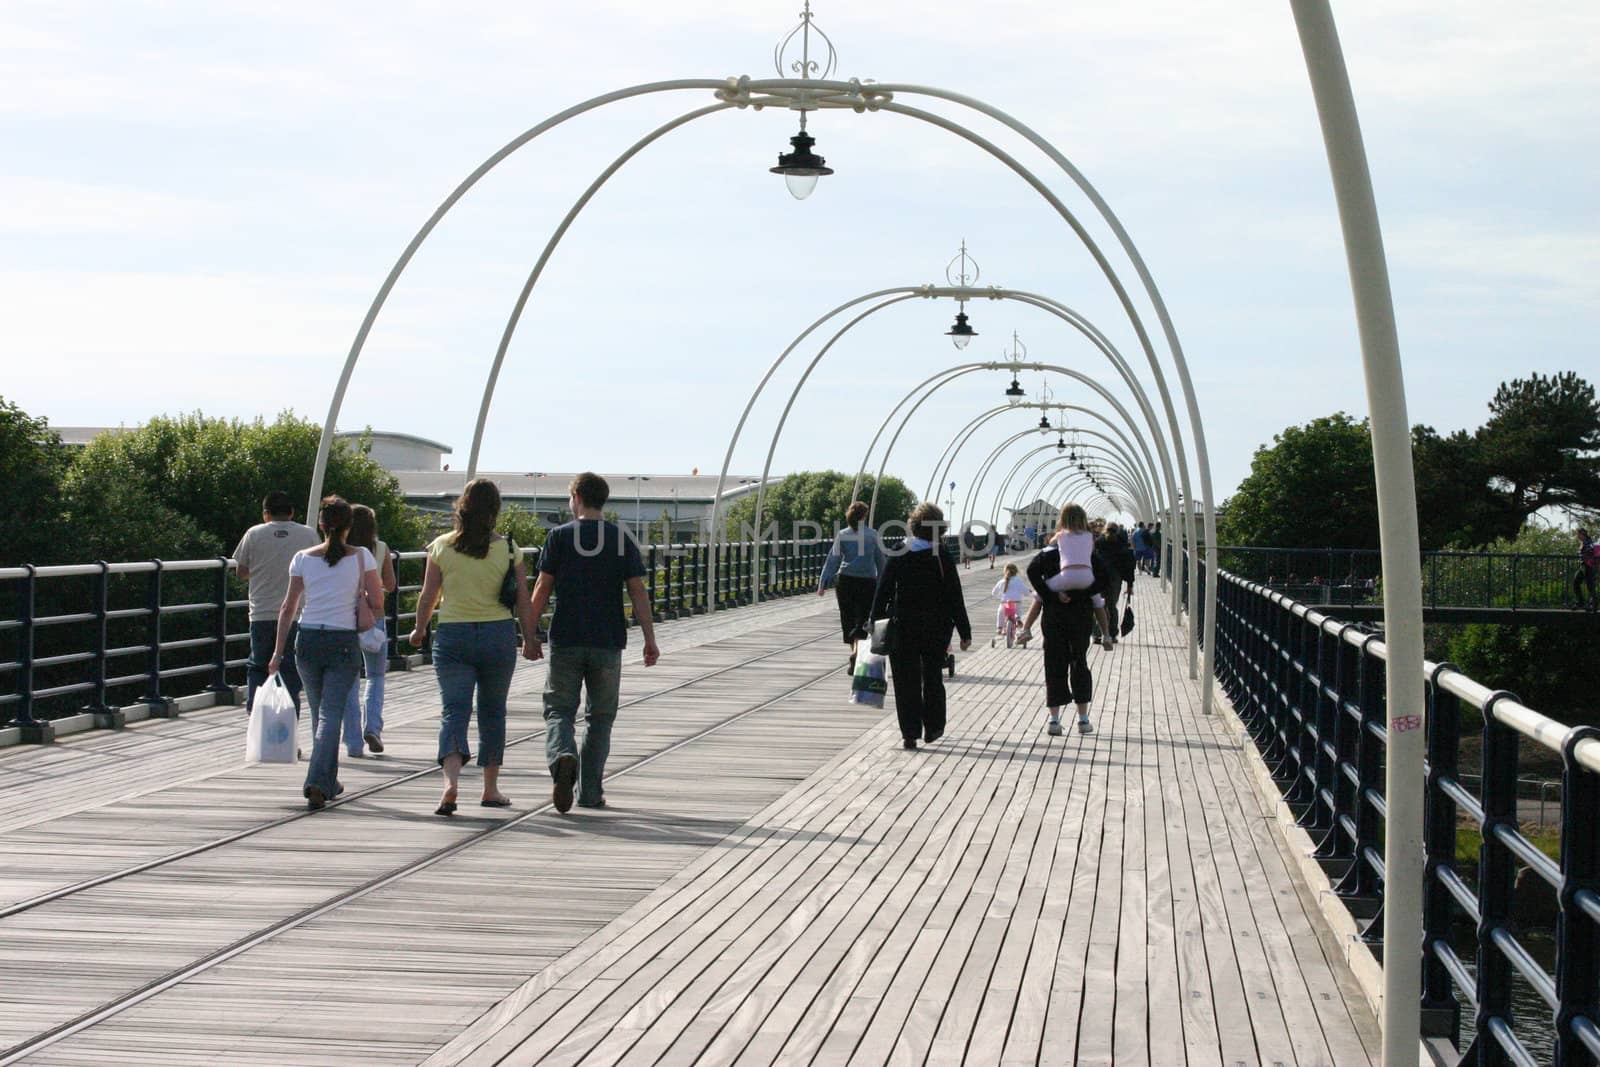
(399, 451)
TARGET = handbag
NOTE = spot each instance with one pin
(885, 635)
(508, 584)
(1127, 620)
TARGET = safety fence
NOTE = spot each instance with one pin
(1354, 576)
(1509, 931)
(94, 638)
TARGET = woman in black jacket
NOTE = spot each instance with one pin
(1122, 567)
(1067, 621)
(921, 591)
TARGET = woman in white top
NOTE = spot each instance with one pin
(335, 581)
(365, 724)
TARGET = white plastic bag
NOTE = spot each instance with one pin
(373, 639)
(270, 736)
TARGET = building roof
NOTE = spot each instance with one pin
(523, 485)
(77, 436)
(390, 435)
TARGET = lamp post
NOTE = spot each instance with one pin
(638, 481)
(961, 334)
(801, 167)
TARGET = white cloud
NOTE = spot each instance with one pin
(50, 206)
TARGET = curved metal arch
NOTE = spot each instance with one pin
(957, 442)
(1126, 466)
(544, 258)
(947, 376)
(1048, 304)
(738, 90)
(1104, 468)
(1150, 488)
(1064, 480)
(963, 435)
(1109, 457)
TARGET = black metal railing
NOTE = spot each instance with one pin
(1354, 576)
(98, 637)
(1310, 692)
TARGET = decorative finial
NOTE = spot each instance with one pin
(805, 67)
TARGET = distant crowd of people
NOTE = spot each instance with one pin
(1075, 583)
(317, 621)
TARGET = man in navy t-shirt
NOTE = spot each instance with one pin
(587, 564)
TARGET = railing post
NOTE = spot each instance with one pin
(33, 731)
(1497, 878)
(650, 573)
(391, 621)
(221, 691)
(1577, 932)
(1515, 582)
(160, 706)
(1325, 771)
(105, 716)
(1441, 1012)
(1361, 881)
(1346, 744)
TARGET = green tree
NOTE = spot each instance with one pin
(1313, 486)
(32, 464)
(521, 526)
(819, 497)
(214, 472)
(1538, 450)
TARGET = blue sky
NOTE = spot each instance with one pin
(197, 202)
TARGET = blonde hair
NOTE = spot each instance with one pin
(1011, 570)
(1073, 518)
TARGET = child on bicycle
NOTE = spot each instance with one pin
(1011, 588)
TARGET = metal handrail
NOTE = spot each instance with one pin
(52, 651)
(1309, 690)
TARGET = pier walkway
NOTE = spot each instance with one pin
(775, 880)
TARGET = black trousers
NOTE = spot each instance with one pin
(1066, 655)
(1113, 595)
(1584, 576)
(855, 603)
(918, 675)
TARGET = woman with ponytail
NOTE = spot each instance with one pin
(335, 580)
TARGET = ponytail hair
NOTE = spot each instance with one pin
(477, 510)
(334, 518)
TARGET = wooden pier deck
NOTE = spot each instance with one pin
(775, 880)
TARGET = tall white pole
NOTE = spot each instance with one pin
(1397, 530)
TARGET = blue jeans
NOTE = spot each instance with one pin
(355, 729)
(468, 656)
(263, 636)
(599, 671)
(329, 661)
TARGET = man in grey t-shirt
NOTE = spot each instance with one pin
(263, 557)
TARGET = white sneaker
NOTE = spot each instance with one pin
(1055, 726)
(1084, 726)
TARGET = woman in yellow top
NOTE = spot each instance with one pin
(475, 646)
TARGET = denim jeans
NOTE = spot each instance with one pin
(263, 636)
(599, 672)
(470, 656)
(355, 725)
(329, 660)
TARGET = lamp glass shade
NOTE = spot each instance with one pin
(961, 340)
(800, 185)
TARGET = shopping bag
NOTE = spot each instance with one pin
(1127, 620)
(270, 735)
(871, 681)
